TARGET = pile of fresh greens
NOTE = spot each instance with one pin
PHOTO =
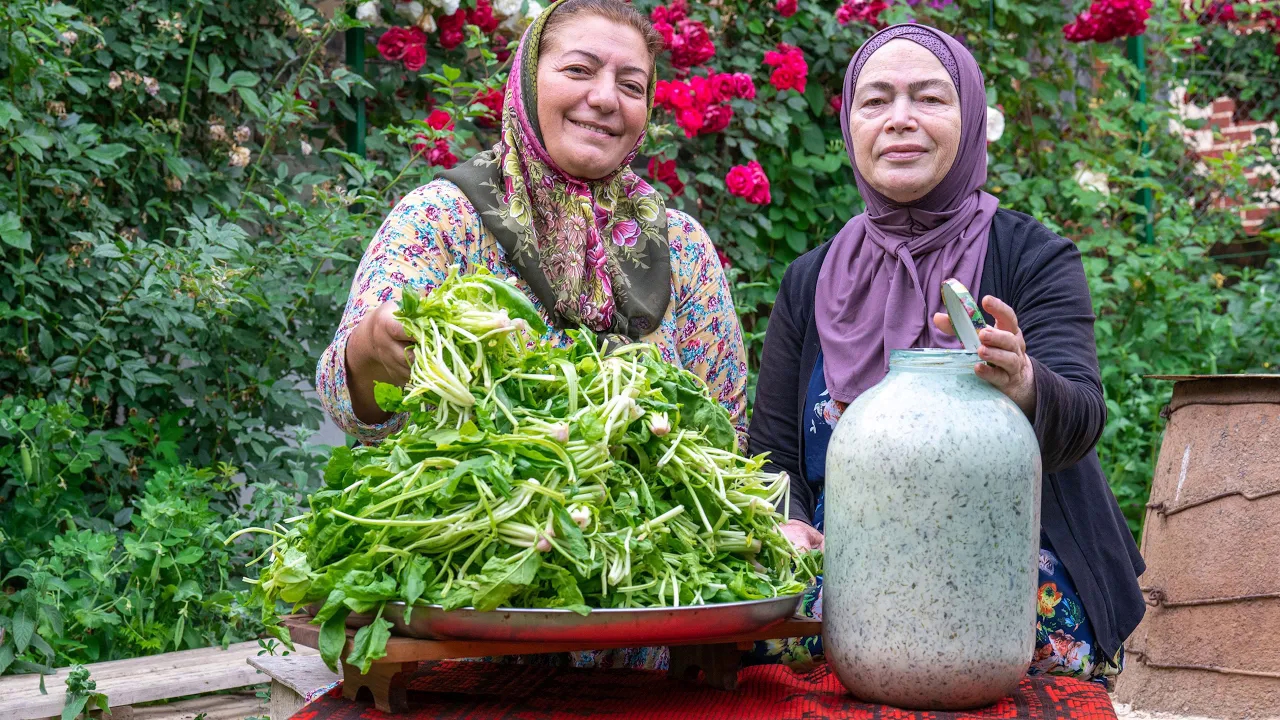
(527, 475)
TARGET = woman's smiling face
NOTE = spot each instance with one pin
(905, 121)
(593, 83)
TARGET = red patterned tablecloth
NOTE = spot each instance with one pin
(486, 691)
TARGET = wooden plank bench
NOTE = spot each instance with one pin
(138, 680)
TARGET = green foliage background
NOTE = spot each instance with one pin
(165, 305)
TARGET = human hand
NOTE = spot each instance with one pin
(1007, 367)
(378, 350)
(802, 535)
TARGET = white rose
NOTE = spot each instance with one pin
(427, 23)
(534, 10)
(995, 124)
(69, 37)
(243, 134)
(306, 148)
(367, 12)
(411, 11)
(113, 80)
(152, 85)
(449, 6)
(239, 156)
(506, 8)
(1089, 180)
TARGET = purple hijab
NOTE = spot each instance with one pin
(880, 281)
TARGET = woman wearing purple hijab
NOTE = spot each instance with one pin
(915, 127)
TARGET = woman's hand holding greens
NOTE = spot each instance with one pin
(377, 351)
(1008, 366)
(802, 535)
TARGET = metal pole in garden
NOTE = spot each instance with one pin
(355, 60)
(1136, 47)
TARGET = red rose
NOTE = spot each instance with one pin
(739, 180)
(667, 32)
(1219, 12)
(500, 48)
(835, 102)
(660, 14)
(404, 44)
(791, 72)
(691, 45)
(680, 95)
(724, 259)
(679, 10)
(492, 99)
(786, 8)
(661, 93)
(441, 156)
(743, 86)
(716, 118)
(760, 185)
(723, 87)
(863, 11)
(482, 17)
(415, 56)
(665, 172)
(439, 120)
(690, 121)
(1106, 20)
(451, 32)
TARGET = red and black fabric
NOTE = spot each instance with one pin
(484, 691)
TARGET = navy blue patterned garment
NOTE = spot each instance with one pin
(1064, 637)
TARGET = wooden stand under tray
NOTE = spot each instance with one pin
(718, 658)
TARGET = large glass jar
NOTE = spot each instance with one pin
(932, 537)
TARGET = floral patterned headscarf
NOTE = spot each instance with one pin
(595, 252)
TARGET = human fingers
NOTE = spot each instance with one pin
(1006, 318)
(943, 322)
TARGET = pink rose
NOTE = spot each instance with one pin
(716, 118)
(690, 121)
(723, 87)
(786, 8)
(744, 86)
(749, 182)
(739, 181)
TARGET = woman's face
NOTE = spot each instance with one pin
(904, 121)
(593, 81)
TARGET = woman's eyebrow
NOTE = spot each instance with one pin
(913, 87)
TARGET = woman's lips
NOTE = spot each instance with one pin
(902, 152)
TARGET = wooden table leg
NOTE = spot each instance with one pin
(719, 664)
(387, 682)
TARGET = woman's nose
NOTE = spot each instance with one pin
(901, 117)
(603, 95)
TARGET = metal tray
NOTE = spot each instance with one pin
(641, 626)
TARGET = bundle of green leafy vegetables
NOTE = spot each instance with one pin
(528, 475)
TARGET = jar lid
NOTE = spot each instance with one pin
(966, 317)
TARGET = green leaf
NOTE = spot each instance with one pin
(333, 637)
(369, 644)
(108, 154)
(500, 578)
(8, 113)
(188, 590)
(243, 78)
(24, 626)
(218, 86)
(569, 534)
(189, 556)
(6, 657)
(387, 396)
(216, 66)
(78, 85)
(12, 234)
(340, 462)
(75, 705)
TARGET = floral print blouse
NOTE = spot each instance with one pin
(436, 227)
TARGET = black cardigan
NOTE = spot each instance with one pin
(1041, 276)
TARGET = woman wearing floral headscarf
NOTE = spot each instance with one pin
(915, 128)
(554, 205)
